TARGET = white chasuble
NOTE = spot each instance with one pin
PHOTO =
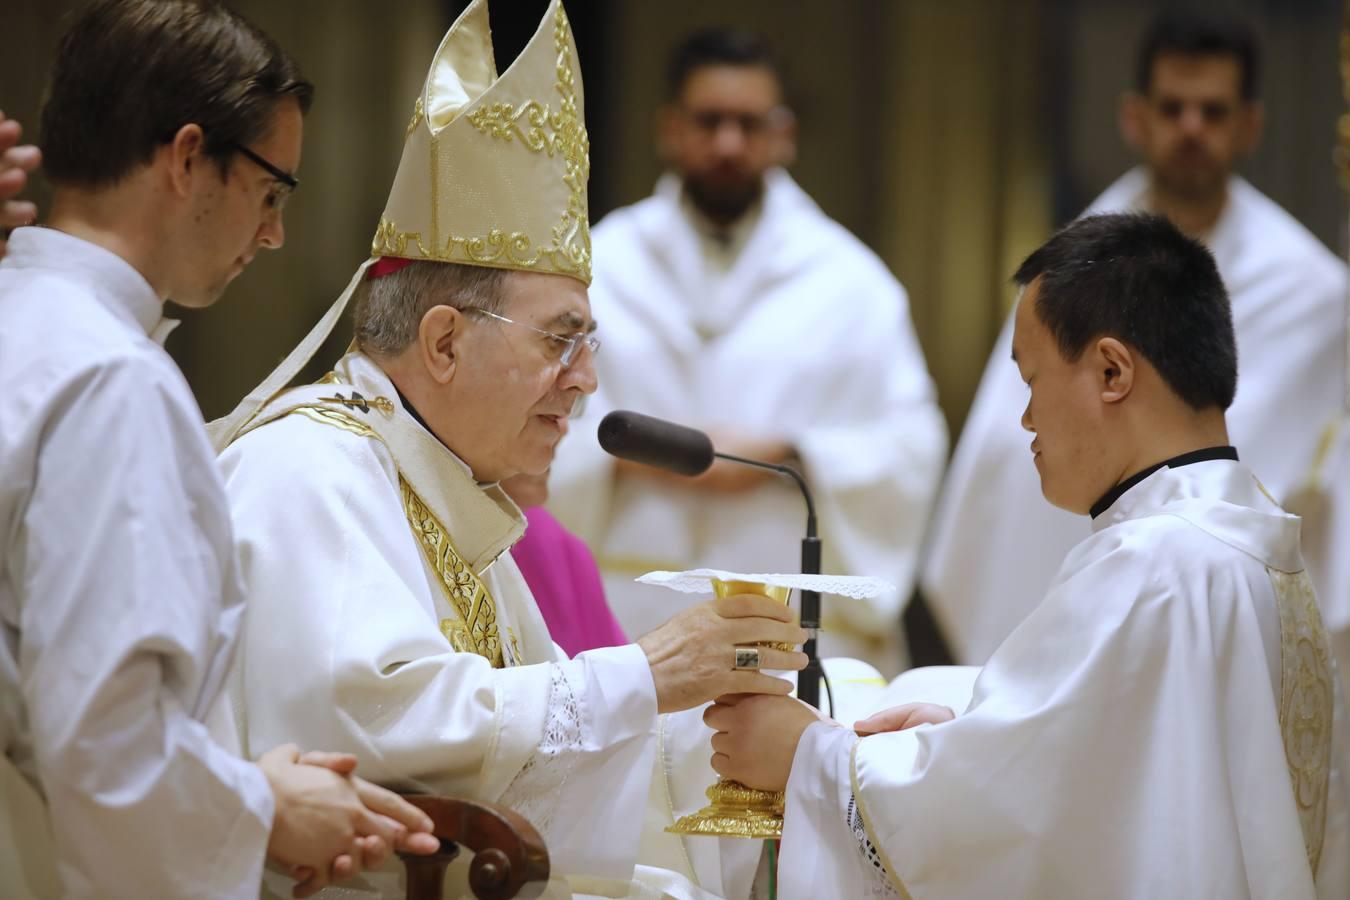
(797, 332)
(387, 619)
(1161, 726)
(995, 542)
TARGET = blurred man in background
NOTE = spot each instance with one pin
(1193, 117)
(731, 303)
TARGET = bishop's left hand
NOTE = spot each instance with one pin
(757, 737)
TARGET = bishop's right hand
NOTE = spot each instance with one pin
(693, 656)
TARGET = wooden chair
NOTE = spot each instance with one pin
(510, 859)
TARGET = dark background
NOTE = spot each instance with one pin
(951, 137)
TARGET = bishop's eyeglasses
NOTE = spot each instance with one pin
(571, 344)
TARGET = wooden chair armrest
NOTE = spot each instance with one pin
(510, 859)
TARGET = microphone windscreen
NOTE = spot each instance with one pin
(655, 442)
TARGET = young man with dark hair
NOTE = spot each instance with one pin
(1193, 117)
(1161, 725)
(173, 131)
(733, 303)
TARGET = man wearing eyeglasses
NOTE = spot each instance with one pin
(172, 130)
(387, 617)
(732, 303)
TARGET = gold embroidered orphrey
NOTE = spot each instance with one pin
(540, 129)
(1306, 697)
(475, 631)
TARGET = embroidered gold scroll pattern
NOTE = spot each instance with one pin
(1305, 702)
(554, 132)
(475, 631)
(417, 117)
(497, 248)
(539, 129)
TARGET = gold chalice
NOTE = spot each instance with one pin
(733, 809)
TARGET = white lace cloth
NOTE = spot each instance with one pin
(699, 581)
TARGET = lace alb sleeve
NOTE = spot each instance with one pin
(878, 881)
(536, 789)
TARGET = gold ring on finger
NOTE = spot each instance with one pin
(746, 658)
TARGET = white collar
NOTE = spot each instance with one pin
(113, 280)
(1220, 497)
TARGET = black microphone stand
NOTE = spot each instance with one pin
(808, 681)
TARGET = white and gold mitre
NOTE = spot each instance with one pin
(493, 173)
(494, 169)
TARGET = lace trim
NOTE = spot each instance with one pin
(699, 581)
(537, 788)
(878, 880)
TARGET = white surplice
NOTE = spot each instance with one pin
(995, 542)
(1159, 727)
(119, 598)
(363, 540)
(794, 330)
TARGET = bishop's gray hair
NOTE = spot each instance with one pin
(389, 309)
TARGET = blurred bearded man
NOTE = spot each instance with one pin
(995, 544)
(733, 304)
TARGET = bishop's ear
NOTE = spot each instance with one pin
(438, 336)
(1116, 365)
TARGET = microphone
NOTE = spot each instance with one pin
(655, 442)
(688, 451)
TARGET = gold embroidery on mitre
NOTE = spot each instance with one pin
(1306, 697)
(416, 119)
(389, 241)
(475, 631)
(540, 129)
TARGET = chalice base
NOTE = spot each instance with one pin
(735, 810)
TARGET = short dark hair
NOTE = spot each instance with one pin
(719, 47)
(1137, 278)
(129, 73)
(1194, 34)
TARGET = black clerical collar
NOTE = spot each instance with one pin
(417, 417)
(1209, 453)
